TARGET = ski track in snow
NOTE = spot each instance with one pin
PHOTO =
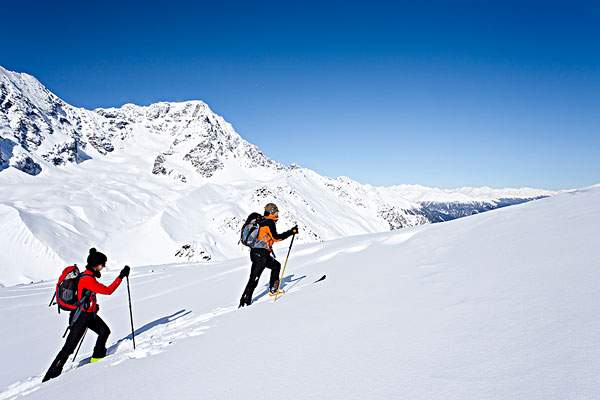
(151, 339)
(154, 339)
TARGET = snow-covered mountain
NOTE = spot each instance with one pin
(39, 129)
(172, 182)
(501, 305)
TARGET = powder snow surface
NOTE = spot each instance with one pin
(501, 305)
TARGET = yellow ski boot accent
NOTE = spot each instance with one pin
(95, 359)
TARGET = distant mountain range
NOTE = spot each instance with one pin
(172, 182)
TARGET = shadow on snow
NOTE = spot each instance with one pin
(284, 282)
(161, 321)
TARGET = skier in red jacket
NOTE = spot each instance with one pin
(86, 315)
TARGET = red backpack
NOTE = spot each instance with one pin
(66, 289)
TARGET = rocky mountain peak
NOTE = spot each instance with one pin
(38, 130)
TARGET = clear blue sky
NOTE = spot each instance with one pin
(499, 93)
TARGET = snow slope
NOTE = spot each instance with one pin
(172, 182)
(501, 305)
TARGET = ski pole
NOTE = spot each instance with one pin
(53, 297)
(285, 265)
(80, 343)
(130, 313)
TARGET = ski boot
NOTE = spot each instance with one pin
(275, 291)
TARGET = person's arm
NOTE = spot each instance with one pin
(93, 285)
(277, 236)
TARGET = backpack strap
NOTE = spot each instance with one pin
(87, 294)
(79, 310)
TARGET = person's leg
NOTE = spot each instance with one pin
(258, 265)
(275, 268)
(98, 326)
(75, 334)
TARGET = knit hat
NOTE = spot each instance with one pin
(271, 208)
(95, 258)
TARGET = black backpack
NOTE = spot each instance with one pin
(249, 231)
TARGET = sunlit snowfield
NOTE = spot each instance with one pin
(495, 306)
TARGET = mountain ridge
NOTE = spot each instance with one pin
(174, 181)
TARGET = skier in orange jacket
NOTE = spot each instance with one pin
(262, 253)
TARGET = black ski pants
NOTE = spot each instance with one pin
(261, 259)
(85, 321)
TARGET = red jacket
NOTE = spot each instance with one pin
(88, 282)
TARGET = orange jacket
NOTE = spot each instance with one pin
(267, 233)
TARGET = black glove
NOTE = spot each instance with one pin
(124, 272)
(294, 230)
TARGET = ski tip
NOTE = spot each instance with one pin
(321, 278)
